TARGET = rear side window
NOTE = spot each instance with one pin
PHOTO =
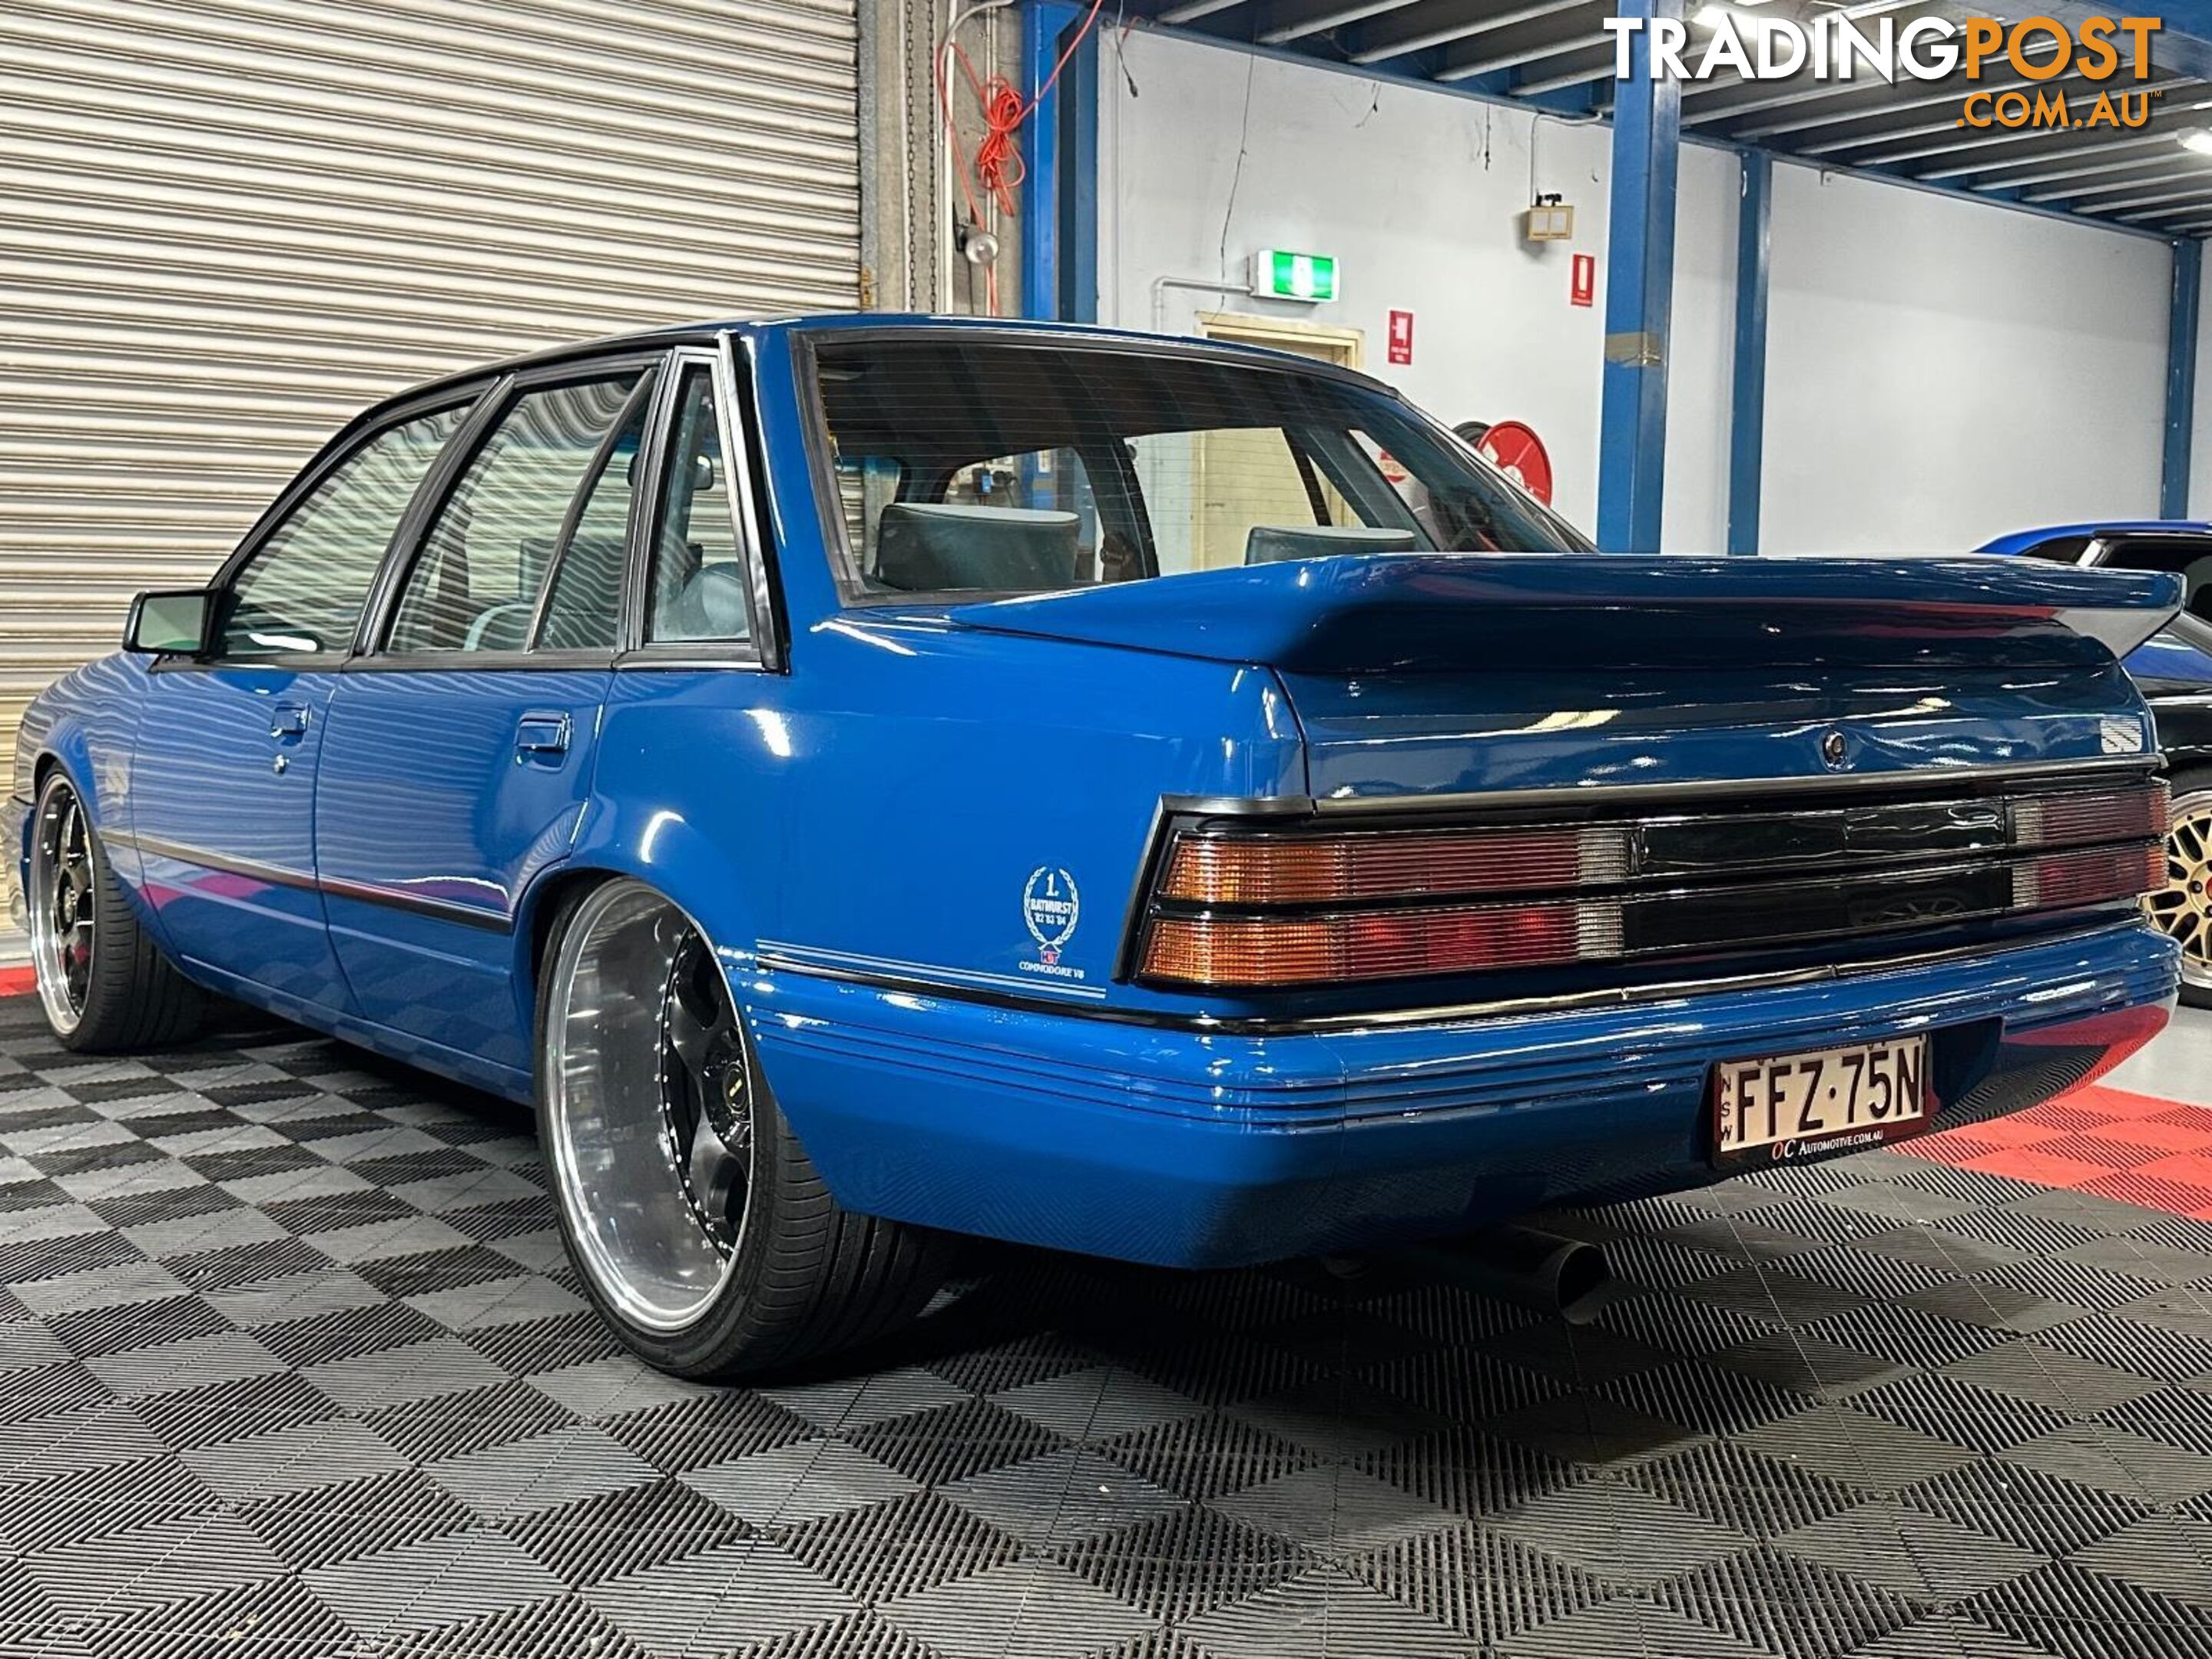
(701, 590)
(474, 585)
(302, 590)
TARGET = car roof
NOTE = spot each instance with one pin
(2020, 540)
(675, 334)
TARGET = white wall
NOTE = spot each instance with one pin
(1938, 370)
(1420, 196)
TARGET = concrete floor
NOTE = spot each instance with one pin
(2177, 1067)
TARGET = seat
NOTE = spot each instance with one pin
(712, 606)
(502, 627)
(585, 612)
(928, 547)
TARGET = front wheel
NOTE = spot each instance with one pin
(2183, 908)
(701, 1230)
(105, 986)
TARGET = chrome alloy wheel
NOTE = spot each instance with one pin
(2183, 908)
(649, 1107)
(62, 899)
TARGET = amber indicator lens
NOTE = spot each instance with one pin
(1221, 870)
(1255, 950)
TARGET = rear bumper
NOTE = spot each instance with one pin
(1197, 1149)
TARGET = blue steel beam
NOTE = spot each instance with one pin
(1044, 22)
(2180, 377)
(1747, 395)
(1639, 279)
(1077, 98)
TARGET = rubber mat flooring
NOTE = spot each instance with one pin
(291, 1364)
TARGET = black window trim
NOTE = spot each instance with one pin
(764, 651)
(347, 440)
(370, 653)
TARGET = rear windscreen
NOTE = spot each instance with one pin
(993, 466)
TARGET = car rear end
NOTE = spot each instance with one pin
(1583, 878)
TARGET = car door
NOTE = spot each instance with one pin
(222, 796)
(459, 749)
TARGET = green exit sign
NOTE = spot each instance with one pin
(1279, 274)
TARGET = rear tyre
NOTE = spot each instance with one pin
(701, 1228)
(105, 986)
(2183, 908)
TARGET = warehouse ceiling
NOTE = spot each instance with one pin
(1555, 54)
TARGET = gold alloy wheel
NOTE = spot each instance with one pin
(2183, 908)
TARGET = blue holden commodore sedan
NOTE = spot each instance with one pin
(868, 780)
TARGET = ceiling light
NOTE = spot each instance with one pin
(2196, 138)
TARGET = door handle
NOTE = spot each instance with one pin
(287, 720)
(541, 734)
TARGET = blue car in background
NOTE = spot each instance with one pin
(2173, 669)
(870, 779)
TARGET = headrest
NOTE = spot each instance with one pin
(1272, 544)
(925, 547)
(712, 606)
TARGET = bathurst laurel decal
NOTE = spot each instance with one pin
(1051, 907)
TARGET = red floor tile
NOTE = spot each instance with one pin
(2108, 1151)
(2117, 1103)
(2026, 1163)
(2167, 1137)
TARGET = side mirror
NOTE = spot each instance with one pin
(165, 623)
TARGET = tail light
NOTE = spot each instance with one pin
(1245, 908)
(2066, 879)
(2082, 816)
(1254, 951)
(1335, 869)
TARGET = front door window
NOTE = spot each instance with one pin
(302, 590)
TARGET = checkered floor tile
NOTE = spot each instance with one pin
(291, 1366)
(2106, 1142)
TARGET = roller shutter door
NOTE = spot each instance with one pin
(226, 225)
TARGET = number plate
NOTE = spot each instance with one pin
(1787, 1106)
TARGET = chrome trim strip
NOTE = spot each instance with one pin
(1730, 789)
(277, 875)
(846, 965)
(466, 915)
(1443, 1014)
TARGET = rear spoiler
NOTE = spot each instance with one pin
(1515, 611)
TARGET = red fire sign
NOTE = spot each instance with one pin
(1583, 288)
(1401, 336)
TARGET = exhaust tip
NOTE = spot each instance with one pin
(1584, 1275)
(1527, 1267)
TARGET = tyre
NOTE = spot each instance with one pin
(105, 986)
(700, 1227)
(2183, 908)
